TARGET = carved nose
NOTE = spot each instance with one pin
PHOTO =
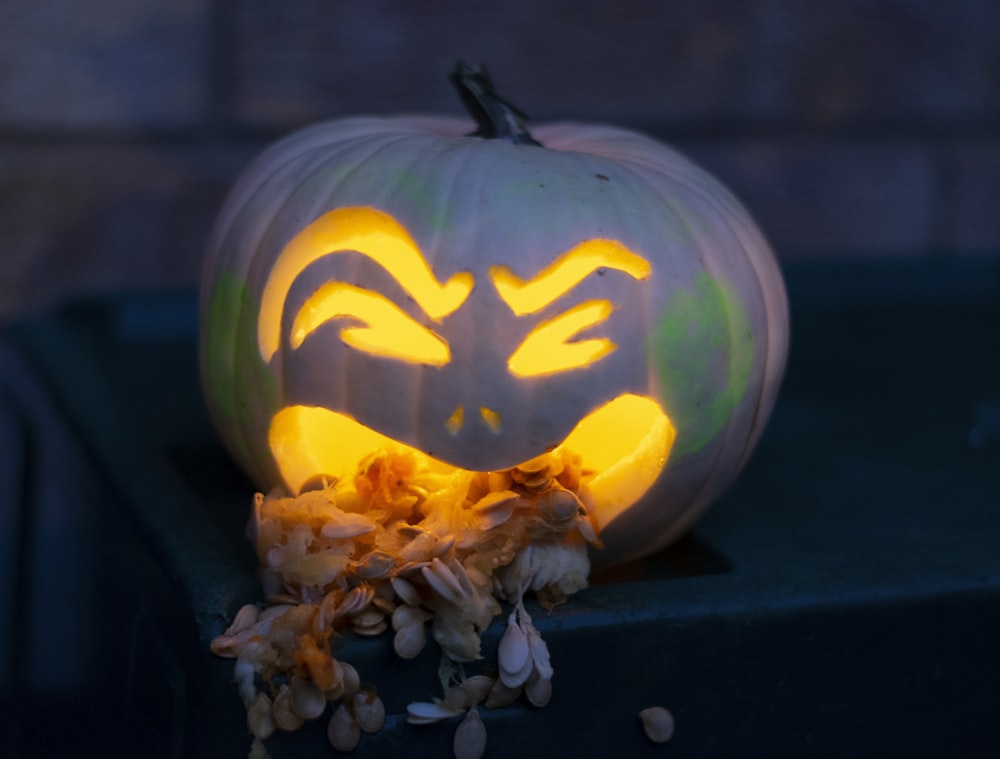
(487, 416)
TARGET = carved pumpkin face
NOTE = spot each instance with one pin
(376, 282)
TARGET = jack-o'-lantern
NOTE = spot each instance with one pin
(579, 309)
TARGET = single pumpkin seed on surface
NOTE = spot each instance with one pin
(538, 691)
(658, 724)
(470, 737)
(429, 712)
(369, 711)
(343, 730)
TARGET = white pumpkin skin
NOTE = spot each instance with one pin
(714, 300)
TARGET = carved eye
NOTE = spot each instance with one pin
(380, 238)
(385, 329)
(550, 348)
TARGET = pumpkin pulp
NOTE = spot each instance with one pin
(623, 446)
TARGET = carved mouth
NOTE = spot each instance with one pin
(623, 447)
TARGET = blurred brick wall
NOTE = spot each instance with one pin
(855, 128)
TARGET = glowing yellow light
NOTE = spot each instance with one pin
(491, 417)
(565, 273)
(388, 331)
(371, 233)
(626, 443)
(456, 420)
(547, 348)
(307, 441)
(623, 447)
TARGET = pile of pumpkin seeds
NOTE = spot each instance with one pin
(417, 552)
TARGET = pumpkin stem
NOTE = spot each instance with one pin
(496, 118)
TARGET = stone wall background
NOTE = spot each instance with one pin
(860, 128)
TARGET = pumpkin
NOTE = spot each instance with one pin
(486, 298)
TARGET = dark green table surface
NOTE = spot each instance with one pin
(843, 599)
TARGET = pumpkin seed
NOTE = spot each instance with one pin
(383, 605)
(536, 464)
(443, 581)
(369, 711)
(586, 528)
(470, 737)
(477, 688)
(410, 568)
(536, 480)
(405, 614)
(428, 712)
(373, 565)
(228, 646)
(368, 618)
(514, 655)
(502, 695)
(351, 680)
(538, 691)
(494, 500)
(410, 639)
(419, 548)
(539, 653)
(306, 699)
(558, 506)
(245, 618)
(285, 716)
(273, 611)
(492, 518)
(372, 631)
(343, 730)
(658, 724)
(406, 590)
(347, 525)
(442, 546)
(355, 601)
(336, 680)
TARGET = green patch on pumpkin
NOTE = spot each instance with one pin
(420, 192)
(230, 339)
(703, 350)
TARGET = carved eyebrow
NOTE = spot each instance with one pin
(371, 233)
(565, 273)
